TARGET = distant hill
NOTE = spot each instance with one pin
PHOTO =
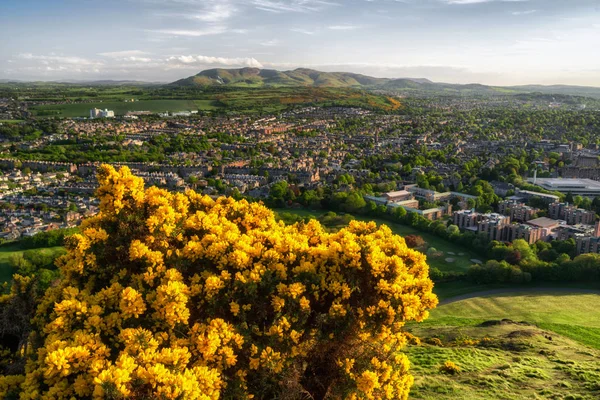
(304, 77)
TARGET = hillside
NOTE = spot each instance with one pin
(535, 345)
(304, 77)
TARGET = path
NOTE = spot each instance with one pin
(524, 291)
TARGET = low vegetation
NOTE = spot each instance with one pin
(504, 360)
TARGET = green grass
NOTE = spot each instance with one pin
(6, 251)
(575, 315)
(10, 121)
(461, 262)
(520, 363)
(551, 351)
(206, 105)
(121, 107)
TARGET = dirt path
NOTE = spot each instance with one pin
(536, 290)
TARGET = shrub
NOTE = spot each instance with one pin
(414, 241)
(435, 342)
(178, 296)
(449, 368)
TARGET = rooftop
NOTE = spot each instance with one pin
(543, 222)
(566, 184)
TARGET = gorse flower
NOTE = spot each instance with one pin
(179, 296)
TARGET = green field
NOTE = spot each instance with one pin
(121, 107)
(462, 256)
(547, 347)
(10, 121)
(6, 271)
(571, 314)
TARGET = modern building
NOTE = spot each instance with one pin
(494, 226)
(544, 223)
(517, 211)
(526, 232)
(397, 196)
(432, 214)
(491, 225)
(527, 194)
(467, 219)
(581, 187)
(98, 113)
(571, 214)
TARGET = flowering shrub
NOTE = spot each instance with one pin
(449, 368)
(178, 296)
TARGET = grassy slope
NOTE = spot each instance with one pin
(520, 363)
(574, 315)
(6, 251)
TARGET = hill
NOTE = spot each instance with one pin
(550, 353)
(304, 77)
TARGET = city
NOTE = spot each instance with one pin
(300, 199)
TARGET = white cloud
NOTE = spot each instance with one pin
(462, 2)
(270, 43)
(58, 59)
(303, 31)
(279, 6)
(201, 10)
(526, 12)
(216, 11)
(124, 53)
(196, 60)
(342, 27)
(127, 55)
(215, 30)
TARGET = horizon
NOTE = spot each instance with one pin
(489, 42)
(158, 82)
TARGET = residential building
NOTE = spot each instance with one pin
(517, 211)
(398, 196)
(571, 214)
(526, 232)
(493, 226)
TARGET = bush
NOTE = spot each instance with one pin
(170, 296)
(449, 368)
(415, 241)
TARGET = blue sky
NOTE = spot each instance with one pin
(499, 42)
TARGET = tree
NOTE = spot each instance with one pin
(354, 202)
(172, 295)
(399, 212)
(453, 230)
(414, 241)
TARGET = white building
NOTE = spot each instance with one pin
(98, 113)
(582, 187)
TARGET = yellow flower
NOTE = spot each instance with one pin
(131, 303)
(234, 307)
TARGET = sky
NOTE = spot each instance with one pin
(497, 42)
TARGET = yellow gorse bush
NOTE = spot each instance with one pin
(179, 296)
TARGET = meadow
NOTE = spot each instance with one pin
(120, 107)
(70, 101)
(529, 345)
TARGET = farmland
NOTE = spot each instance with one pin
(119, 107)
